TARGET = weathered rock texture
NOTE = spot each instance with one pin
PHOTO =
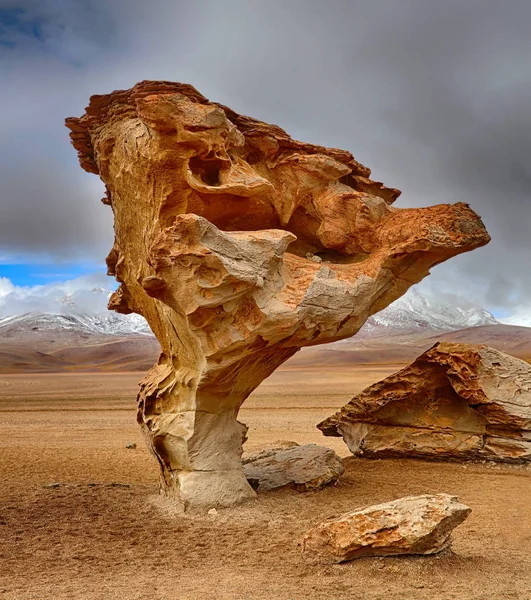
(455, 402)
(240, 245)
(411, 525)
(303, 468)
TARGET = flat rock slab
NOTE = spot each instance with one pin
(410, 525)
(303, 468)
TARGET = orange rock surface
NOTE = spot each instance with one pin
(240, 245)
(455, 402)
(411, 525)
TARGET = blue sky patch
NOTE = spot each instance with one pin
(13, 23)
(28, 274)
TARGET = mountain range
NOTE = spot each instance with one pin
(416, 313)
(83, 335)
(413, 312)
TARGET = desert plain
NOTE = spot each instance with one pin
(105, 533)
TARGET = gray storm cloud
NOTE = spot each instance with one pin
(434, 97)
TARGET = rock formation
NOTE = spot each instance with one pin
(240, 245)
(303, 468)
(455, 402)
(411, 525)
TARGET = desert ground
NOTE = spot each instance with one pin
(106, 533)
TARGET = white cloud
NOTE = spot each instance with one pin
(86, 294)
(522, 317)
(6, 287)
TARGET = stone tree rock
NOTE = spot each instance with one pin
(240, 245)
(411, 525)
(455, 402)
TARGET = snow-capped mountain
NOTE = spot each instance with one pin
(106, 324)
(418, 312)
(86, 311)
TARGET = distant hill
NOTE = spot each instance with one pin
(405, 347)
(40, 342)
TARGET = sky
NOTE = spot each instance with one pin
(435, 97)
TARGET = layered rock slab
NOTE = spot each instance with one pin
(410, 525)
(454, 402)
(239, 245)
(303, 468)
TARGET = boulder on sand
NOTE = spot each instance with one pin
(411, 525)
(454, 402)
(303, 468)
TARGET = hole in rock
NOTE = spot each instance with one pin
(206, 170)
(323, 255)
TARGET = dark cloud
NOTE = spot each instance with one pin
(434, 96)
(75, 31)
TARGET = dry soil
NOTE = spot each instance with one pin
(104, 533)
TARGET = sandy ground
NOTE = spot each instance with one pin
(107, 535)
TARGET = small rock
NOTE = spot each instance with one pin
(52, 486)
(394, 569)
(212, 511)
(131, 446)
(303, 468)
(314, 257)
(411, 525)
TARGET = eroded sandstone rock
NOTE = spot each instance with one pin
(303, 468)
(240, 245)
(455, 402)
(411, 525)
